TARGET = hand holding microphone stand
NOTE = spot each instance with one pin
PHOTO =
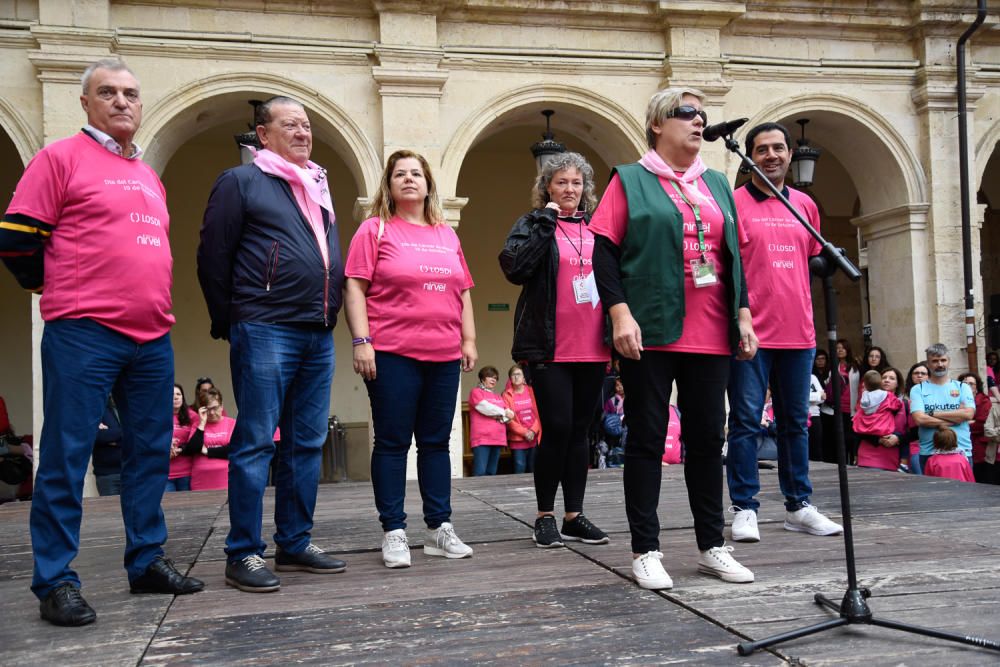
(853, 608)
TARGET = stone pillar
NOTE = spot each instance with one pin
(898, 291)
(935, 99)
(694, 57)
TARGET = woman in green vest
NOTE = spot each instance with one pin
(668, 272)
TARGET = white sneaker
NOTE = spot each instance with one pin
(809, 520)
(744, 525)
(649, 572)
(443, 541)
(395, 549)
(719, 562)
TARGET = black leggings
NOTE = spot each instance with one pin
(701, 391)
(567, 396)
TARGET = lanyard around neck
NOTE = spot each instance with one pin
(696, 210)
(579, 251)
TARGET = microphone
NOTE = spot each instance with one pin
(713, 132)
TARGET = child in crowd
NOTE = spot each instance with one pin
(947, 460)
(877, 408)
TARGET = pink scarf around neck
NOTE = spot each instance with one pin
(312, 177)
(688, 182)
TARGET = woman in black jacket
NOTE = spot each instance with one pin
(559, 333)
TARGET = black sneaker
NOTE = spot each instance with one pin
(313, 559)
(251, 574)
(581, 530)
(65, 606)
(162, 577)
(546, 532)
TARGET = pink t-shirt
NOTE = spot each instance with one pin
(776, 249)
(524, 411)
(579, 326)
(180, 466)
(212, 474)
(417, 276)
(108, 258)
(485, 430)
(706, 319)
(952, 465)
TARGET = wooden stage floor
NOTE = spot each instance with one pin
(928, 548)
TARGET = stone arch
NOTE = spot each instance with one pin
(20, 133)
(165, 126)
(626, 135)
(901, 178)
(985, 148)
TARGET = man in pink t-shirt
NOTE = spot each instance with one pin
(776, 249)
(87, 228)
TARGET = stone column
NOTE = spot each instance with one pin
(900, 301)
(935, 99)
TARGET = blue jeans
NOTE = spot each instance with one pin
(82, 362)
(410, 400)
(788, 373)
(281, 376)
(179, 484)
(485, 459)
(524, 460)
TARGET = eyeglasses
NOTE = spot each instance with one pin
(688, 112)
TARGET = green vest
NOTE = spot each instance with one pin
(652, 261)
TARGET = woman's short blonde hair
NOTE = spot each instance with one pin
(384, 207)
(662, 103)
(562, 161)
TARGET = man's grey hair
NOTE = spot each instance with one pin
(562, 161)
(110, 64)
(262, 114)
(936, 350)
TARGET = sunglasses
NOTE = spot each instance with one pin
(688, 112)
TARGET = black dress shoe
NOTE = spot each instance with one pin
(313, 559)
(162, 577)
(252, 575)
(65, 606)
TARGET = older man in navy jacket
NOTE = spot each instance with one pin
(270, 268)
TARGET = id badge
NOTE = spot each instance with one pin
(581, 289)
(703, 273)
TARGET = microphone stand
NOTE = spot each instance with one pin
(853, 607)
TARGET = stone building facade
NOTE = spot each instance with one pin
(464, 81)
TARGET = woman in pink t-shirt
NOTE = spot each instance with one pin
(850, 378)
(524, 430)
(559, 334)
(488, 416)
(408, 305)
(179, 478)
(890, 451)
(210, 444)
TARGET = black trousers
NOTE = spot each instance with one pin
(816, 438)
(701, 390)
(567, 395)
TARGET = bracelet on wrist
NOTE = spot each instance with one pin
(361, 341)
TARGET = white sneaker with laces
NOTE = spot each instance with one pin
(442, 541)
(744, 525)
(809, 520)
(719, 562)
(395, 549)
(649, 572)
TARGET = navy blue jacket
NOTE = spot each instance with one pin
(259, 261)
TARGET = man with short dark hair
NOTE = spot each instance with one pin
(270, 268)
(776, 251)
(940, 401)
(87, 228)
